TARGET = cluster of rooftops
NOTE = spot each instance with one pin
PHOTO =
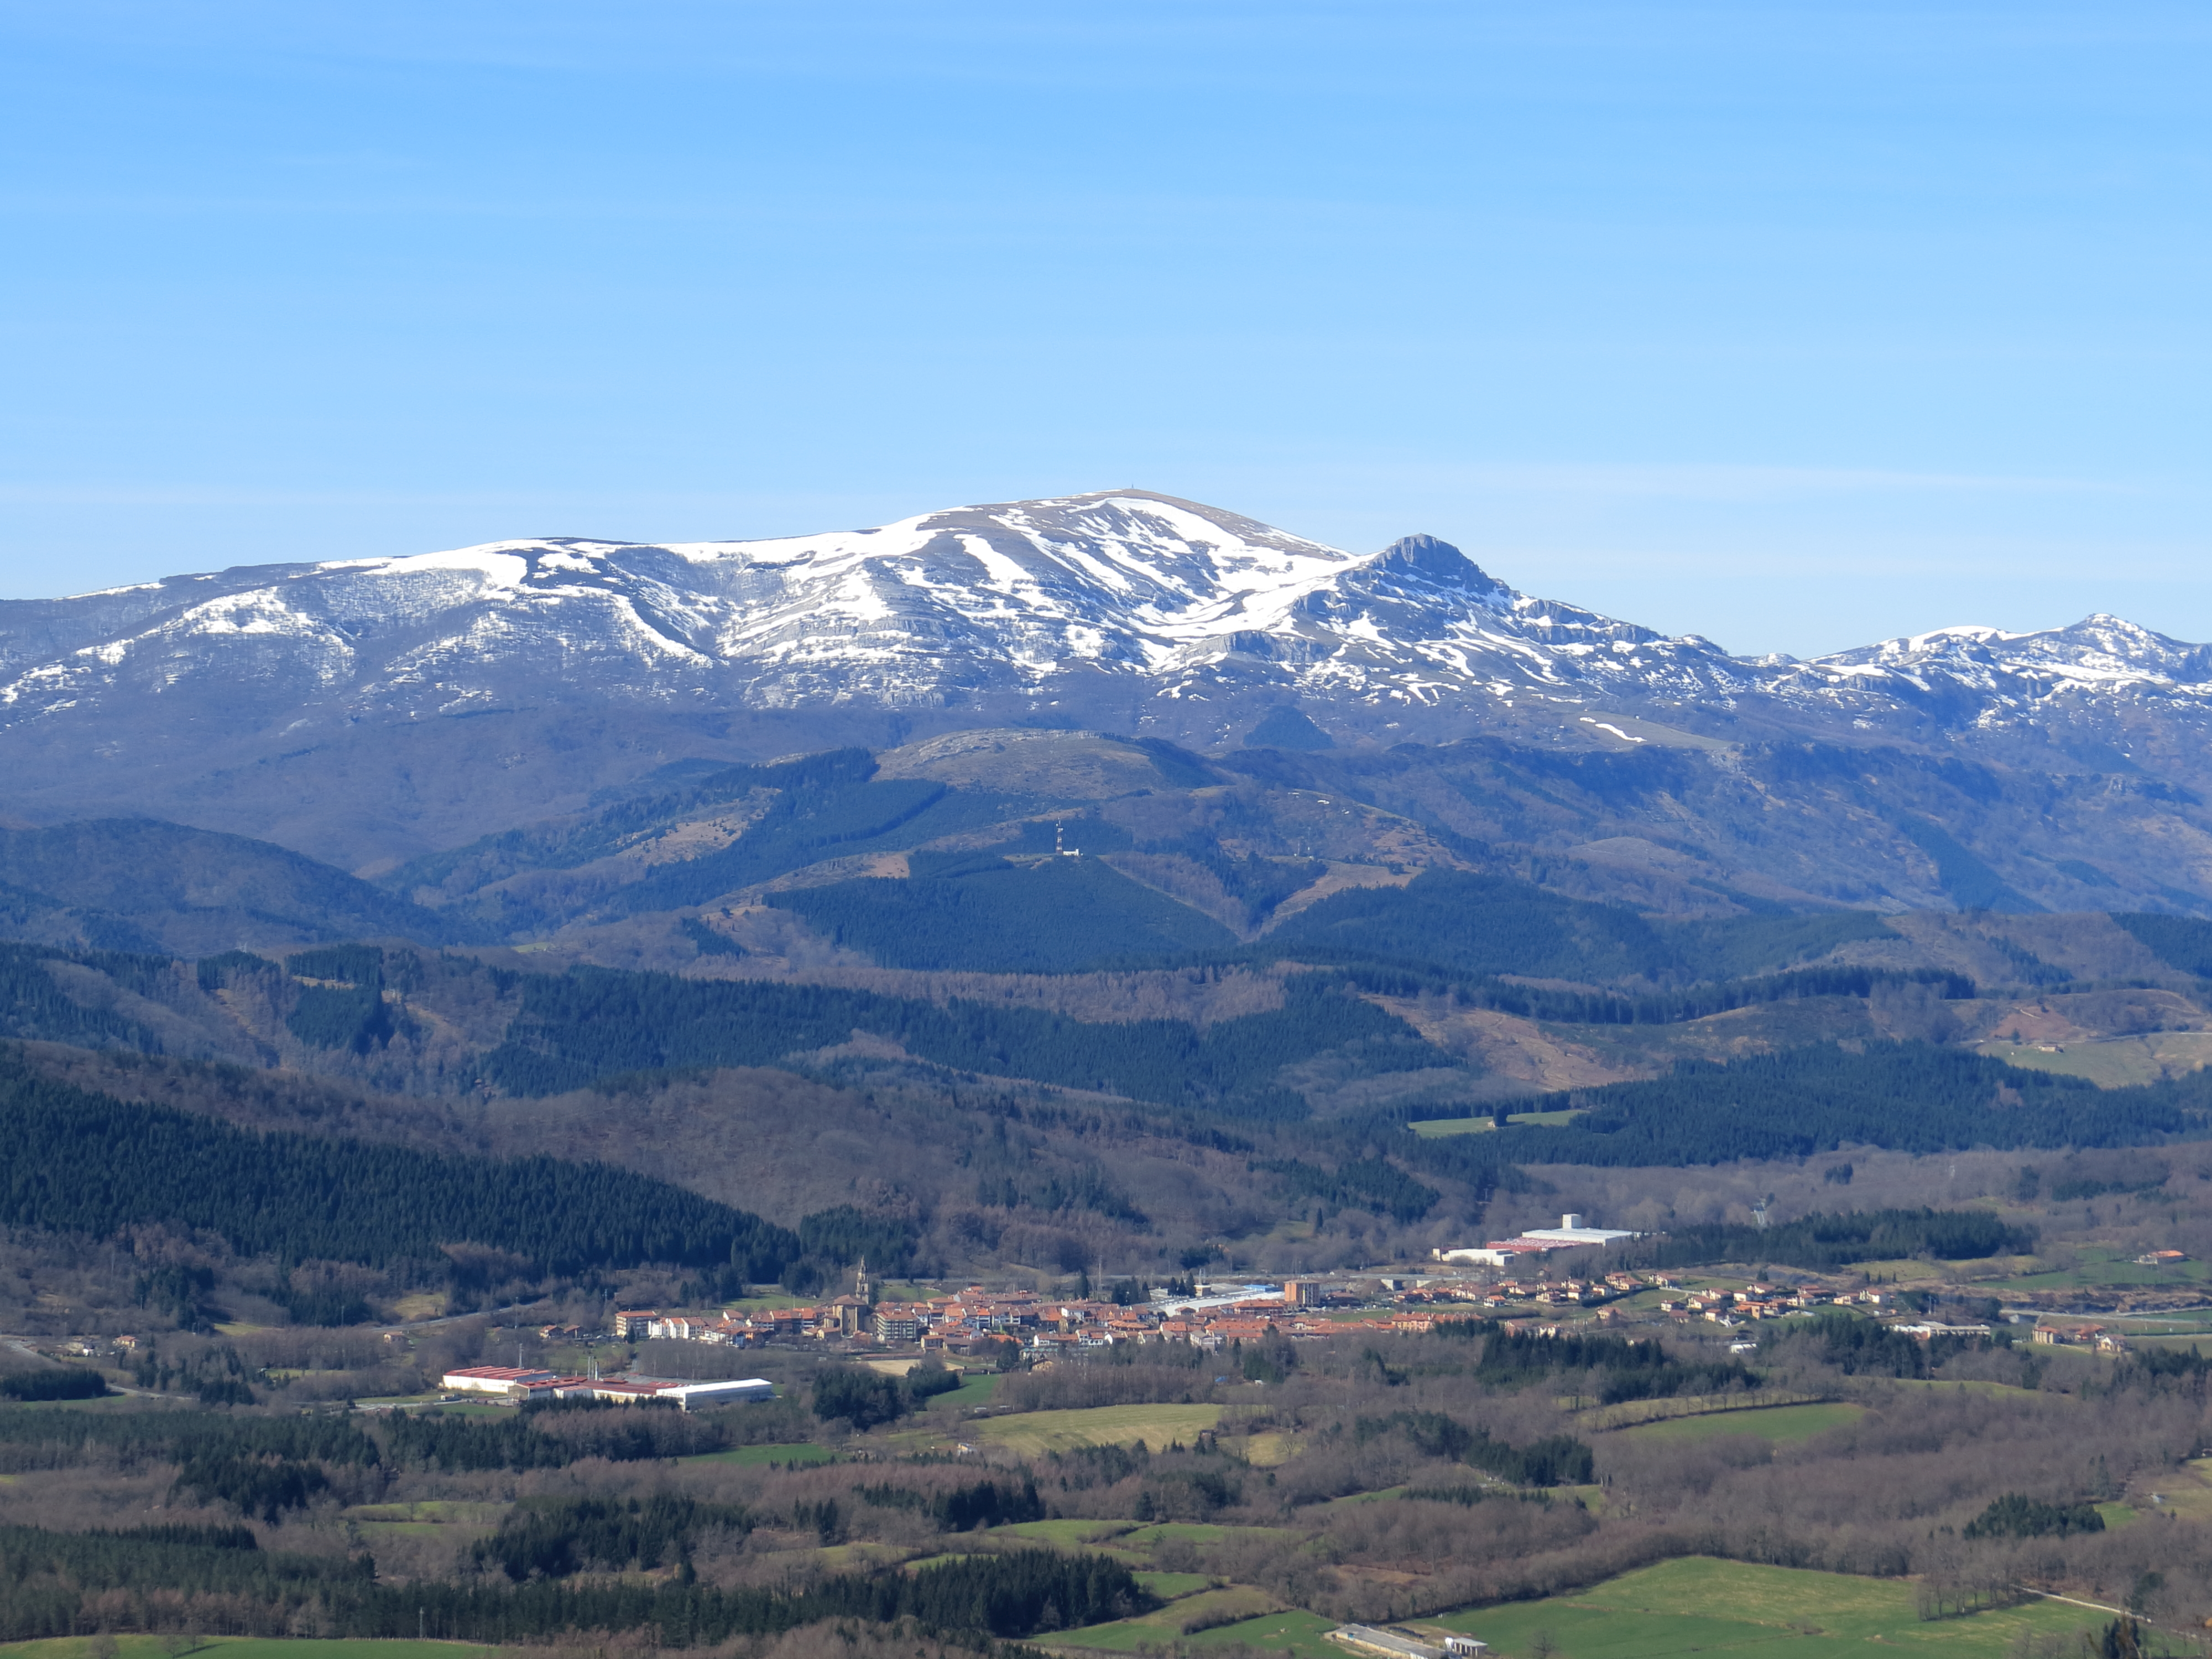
(975, 1318)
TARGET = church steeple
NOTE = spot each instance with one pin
(861, 1287)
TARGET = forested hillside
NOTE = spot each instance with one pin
(1213, 1025)
(138, 884)
(593, 1024)
(765, 821)
(410, 1021)
(86, 1164)
(982, 913)
(1484, 926)
(1906, 1097)
(2183, 942)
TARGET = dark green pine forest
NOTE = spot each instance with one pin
(75, 1162)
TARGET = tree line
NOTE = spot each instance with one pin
(50, 1583)
(1365, 1183)
(1658, 1007)
(31, 1439)
(963, 1509)
(553, 1538)
(33, 1004)
(2017, 1515)
(1558, 1460)
(53, 1385)
(1824, 1241)
(1626, 1370)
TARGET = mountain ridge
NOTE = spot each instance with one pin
(372, 711)
(914, 612)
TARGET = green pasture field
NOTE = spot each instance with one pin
(1265, 1449)
(1907, 1270)
(2186, 1491)
(1696, 1604)
(1034, 1433)
(245, 1647)
(803, 1453)
(976, 1391)
(1063, 1532)
(861, 1558)
(1164, 1626)
(1196, 1532)
(2114, 1062)
(1190, 1532)
(1303, 1634)
(1173, 1586)
(1783, 1425)
(1429, 1129)
(2101, 1267)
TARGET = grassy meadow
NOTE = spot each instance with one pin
(1696, 1605)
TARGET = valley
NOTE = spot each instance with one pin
(1122, 1107)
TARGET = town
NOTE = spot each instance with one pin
(1006, 1326)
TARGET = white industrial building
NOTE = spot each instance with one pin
(509, 1382)
(727, 1392)
(1535, 1244)
(1571, 1230)
(1381, 1644)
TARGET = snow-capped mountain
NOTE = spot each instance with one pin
(2099, 656)
(1123, 609)
(1008, 600)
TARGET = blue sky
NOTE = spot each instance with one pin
(1795, 326)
